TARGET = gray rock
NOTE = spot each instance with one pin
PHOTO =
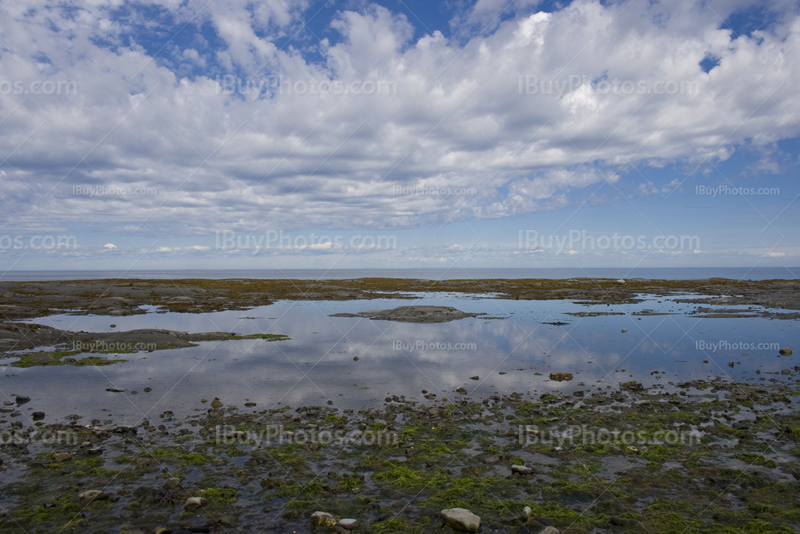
(461, 519)
(22, 399)
(348, 523)
(38, 416)
(461, 390)
(195, 502)
(61, 457)
(522, 470)
(549, 530)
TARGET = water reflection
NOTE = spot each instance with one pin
(317, 365)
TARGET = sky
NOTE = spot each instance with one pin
(285, 134)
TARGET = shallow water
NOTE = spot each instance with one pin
(317, 364)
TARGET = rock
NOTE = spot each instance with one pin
(147, 390)
(116, 390)
(578, 393)
(476, 377)
(250, 404)
(22, 399)
(38, 416)
(785, 351)
(519, 518)
(355, 358)
(461, 519)
(730, 364)
(559, 377)
(522, 470)
(216, 403)
(195, 502)
(624, 330)
(549, 530)
(786, 372)
(461, 390)
(61, 457)
(348, 523)
(93, 495)
(173, 484)
(322, 519)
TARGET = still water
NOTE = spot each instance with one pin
(317, 365)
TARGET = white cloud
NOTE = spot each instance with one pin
(455, 117)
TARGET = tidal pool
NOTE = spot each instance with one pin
(510, 349)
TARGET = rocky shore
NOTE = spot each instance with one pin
(709, 456)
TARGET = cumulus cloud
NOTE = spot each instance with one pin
(525, 115)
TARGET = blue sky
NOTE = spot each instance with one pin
(354, 134)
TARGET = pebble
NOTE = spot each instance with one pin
(22, 399)
(786, 351)
(216, 403)
(61, 457)
(461, 390)
(38, 416)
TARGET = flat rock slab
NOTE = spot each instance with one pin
(461, 519)
(413, 314)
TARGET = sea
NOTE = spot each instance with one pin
(687, 273)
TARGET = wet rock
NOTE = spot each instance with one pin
(322, 519)
(355, 358)
(193, 503)
(624, 330)
(93, 495)
(250, 404)
(476, 377)
(172, 484)
(522, 470)
(559, 377)
(61, 457)
(461, 390)
(22, 399)
(147, 390)
(518, 518)
(216, 403)
(461, 519)
(549, 530)
(785, 351)
(116, 390)
(348, 523)
(786, 372)
(38, 416)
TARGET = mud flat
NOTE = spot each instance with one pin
(710, 456)
(24, 300)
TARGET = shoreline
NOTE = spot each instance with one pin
(616, 460)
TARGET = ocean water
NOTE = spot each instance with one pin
(736, 273)
(513, 353)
